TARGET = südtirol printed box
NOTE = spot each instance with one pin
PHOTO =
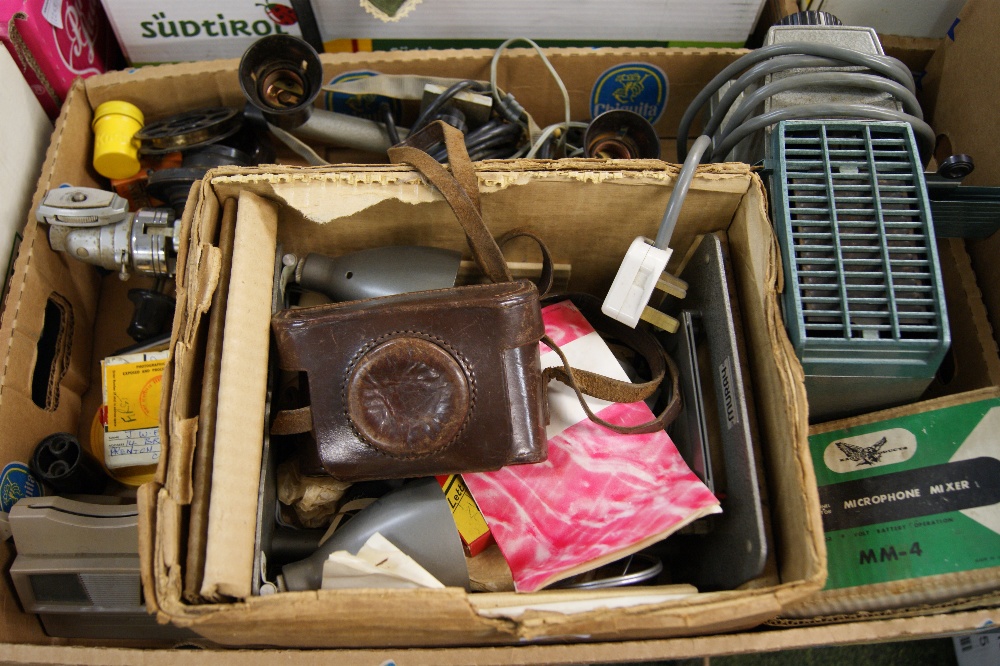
(151, 33)
(910, 494)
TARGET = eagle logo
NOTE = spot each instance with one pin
(863, 455)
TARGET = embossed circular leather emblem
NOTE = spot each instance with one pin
(408, 397)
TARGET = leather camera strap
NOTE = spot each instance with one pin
(460, 188)
(613, 390)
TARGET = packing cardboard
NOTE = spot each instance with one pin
(190, 30)
(322, 210)
(961, 83)
(97, 327)
(25, 134)
(923, 18)
(186, 31)
(375, 25)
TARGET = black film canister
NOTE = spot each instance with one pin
(61, 462)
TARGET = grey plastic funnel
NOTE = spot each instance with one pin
(379, 271)
(415, 518)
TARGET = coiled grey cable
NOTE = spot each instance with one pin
(889, 67)
(673, 211)
(923, 131)
(807, 79)
(856, 79)
(757, 72)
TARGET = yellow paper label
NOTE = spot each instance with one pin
(470, 522)
(134, 395)
(132, 387)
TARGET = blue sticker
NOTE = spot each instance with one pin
(635, 86)
(16, 482)
(362, 106)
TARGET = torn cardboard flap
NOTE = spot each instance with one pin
(315, 193)
(229, 551)
(584, 604)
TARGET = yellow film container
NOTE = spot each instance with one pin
(116, 150)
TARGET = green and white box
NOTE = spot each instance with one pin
(910, 499)
(161, 32)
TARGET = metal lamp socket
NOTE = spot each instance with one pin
(281, 75)
(621, 135)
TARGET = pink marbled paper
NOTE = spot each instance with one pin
(600, 495)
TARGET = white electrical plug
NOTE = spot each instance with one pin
(637, 276)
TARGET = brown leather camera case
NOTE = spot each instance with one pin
(435, 382)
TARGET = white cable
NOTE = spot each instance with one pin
(548, 65)
(547, 132)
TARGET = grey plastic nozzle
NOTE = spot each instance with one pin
(416, 519)
(380, 271)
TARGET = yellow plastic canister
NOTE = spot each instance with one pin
(116, 150)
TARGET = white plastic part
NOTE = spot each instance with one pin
(640, 270)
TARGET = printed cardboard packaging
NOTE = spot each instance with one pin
(190, 30)
(55, 42)
(910, 499)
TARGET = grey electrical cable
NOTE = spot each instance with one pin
(754, 74)
(673, 211)
(923, 131)
(759, 71)
(807, 79)
(889, 67)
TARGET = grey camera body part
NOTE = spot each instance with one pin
(96, 227)
(77, 567)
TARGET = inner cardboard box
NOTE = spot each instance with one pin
(576, 204)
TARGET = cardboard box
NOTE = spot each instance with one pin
(910, 499)
(98, 327)
(322, 210)
(724, 196)
(923, 18)
(25, 136)
(186, 31)
(375, 25)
